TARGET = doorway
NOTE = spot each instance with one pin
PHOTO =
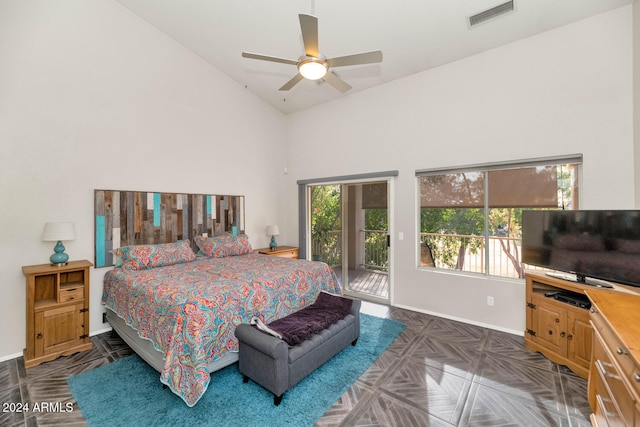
(349, 230)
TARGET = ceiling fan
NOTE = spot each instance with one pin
(314, 66)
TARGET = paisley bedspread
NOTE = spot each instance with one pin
(190, 311)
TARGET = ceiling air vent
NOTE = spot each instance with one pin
(492, 13)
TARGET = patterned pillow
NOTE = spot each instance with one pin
(140, 257)
(222, 246)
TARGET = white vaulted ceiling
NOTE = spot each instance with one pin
(413, 35)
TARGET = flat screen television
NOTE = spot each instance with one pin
(591, 244)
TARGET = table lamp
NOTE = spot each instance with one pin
(57, 232)
(273, 231)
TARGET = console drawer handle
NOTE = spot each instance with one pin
(602, 367)
(636, 377)
(601, 403)
(621, 351)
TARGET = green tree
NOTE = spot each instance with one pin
(325, 217)
(449, 223)
(506, 224)
(375, 219)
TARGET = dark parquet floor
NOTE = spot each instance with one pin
(438, 372)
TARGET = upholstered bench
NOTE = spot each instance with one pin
(278, 366)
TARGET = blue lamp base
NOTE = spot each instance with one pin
(59, 257)
(273, 245)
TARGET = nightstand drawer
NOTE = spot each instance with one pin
(290, 253)
(281, 251)
(73, 294)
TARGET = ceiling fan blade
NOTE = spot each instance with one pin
(356, 59)
(309, 27)
(269, 58)
(291, 83)
(336, 82)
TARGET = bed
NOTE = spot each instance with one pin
(179, 311)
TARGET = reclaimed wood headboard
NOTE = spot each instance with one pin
(125, 218)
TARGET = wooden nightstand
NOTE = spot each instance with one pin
(281, 251)
(57, 311)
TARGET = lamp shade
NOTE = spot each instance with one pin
(58, 231)
(273, 230)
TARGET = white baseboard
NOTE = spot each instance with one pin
(15, 356)
(10, 356)
(101, 331)
(458, 319)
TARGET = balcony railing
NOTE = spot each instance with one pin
(443, 250)
(467, 253)
(376, 250)
(327, 248)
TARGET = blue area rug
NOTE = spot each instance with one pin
(129, 392)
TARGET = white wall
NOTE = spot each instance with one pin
(562, 92)
(92, 97)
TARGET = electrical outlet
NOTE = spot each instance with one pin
(205, 235)
(490, 301)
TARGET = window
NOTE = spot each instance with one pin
(471, 217)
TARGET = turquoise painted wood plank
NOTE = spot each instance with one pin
(156, 209)
(100, 242)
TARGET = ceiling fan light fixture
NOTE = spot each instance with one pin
(313, 68)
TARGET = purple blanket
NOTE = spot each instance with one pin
(302, 325)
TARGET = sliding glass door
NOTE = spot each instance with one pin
(349, 230)
(365, 217)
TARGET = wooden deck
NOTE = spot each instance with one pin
(370, 282)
